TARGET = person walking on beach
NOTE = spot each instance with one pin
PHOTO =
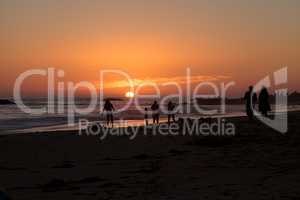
(155, 112)
(108, 109)
(250, 98)
(171, 112)
(146, 117)
(263, 102)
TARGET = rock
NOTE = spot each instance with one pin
(6, 102)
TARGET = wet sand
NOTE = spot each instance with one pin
(256, 163)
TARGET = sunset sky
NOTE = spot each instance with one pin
(156, 40)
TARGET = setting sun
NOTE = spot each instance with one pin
(129, 94)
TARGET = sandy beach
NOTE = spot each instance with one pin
(256, 163)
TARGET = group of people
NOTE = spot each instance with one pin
(251, 101)
(108, 108)
(155, 109)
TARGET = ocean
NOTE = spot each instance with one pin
(13, 119)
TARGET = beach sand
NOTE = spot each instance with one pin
(256, 163)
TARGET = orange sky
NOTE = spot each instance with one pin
(154, 40)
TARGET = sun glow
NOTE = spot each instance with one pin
(129, 94)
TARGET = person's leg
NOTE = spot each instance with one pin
(112, 119)
(173, 117)
(249, 114)
(107, 119)
(169, 119)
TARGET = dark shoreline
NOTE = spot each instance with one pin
(257, 163)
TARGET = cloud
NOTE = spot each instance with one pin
(163, 80)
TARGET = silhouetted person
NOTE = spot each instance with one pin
(109, 108)
(171, 112)
(155, 112)
(250, 98)
(263, 100)
(146, 117)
